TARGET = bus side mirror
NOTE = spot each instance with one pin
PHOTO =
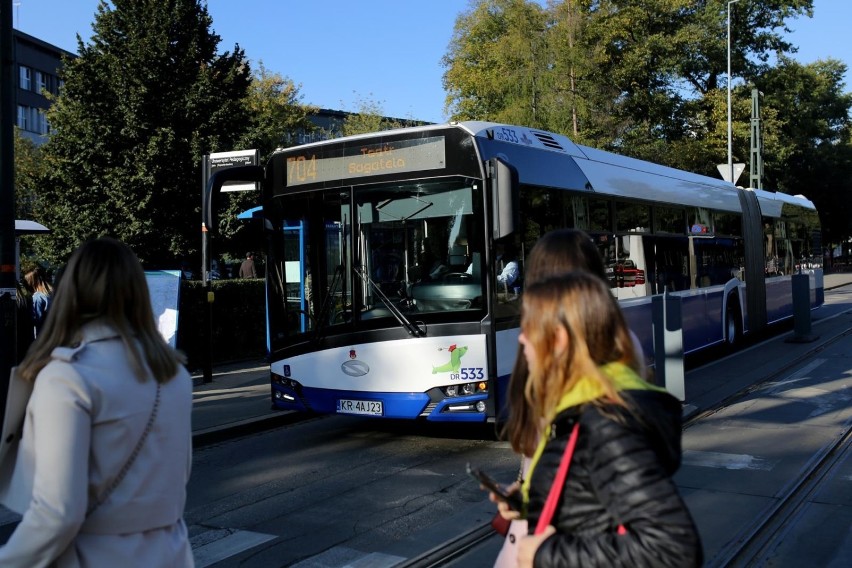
(504, 197)
(214, 187)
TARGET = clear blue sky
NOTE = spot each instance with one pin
(384, 51)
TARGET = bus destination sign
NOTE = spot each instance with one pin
(368, 160)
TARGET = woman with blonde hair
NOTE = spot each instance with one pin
(41, 292)
(555, 253)
(616, 504)
(105, 447)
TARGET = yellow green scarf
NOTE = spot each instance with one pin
(586, 390)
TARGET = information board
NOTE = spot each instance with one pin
(164, 286)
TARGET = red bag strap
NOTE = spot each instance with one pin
(558, 482)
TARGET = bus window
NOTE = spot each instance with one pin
(728, 224)
(632, 217)
(671, 264)
(599, 215)
(670, 220)
(718, 260)
(701, 221)
(421, 247)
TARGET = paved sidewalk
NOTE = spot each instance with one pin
(237, 401)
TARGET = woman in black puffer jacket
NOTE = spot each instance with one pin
(618, 505)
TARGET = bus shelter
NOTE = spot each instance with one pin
(25, 227)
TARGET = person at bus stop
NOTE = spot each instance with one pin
(24, 334)
(103, 443)
(599, 491)
(247, 269)
(41, 293)
(555, 253)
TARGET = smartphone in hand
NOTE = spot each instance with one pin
(511, 499)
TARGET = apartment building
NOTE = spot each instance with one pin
(37, 65)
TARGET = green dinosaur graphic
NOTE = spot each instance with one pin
(454, 366)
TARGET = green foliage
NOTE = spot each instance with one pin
(648, 78)
(238, 322)
(275, 112)
(28, 173)
(812, 150)
(139, 107)
(368, 118)
(496, 62)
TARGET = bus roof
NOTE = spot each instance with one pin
(553, 160)
(622, 176)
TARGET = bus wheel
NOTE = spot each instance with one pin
(733, 324)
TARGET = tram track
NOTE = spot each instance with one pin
(763, 381)
(769, 529)
(752, 544)
(748, 547)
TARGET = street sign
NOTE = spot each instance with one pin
(726, 172)
(222, 160)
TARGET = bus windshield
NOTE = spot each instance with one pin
(361, 257)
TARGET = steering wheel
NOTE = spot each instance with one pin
(457, 276)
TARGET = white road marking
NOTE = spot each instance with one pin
(219, 545)
(345, 557)
(376, 560)
(726, 461)
(799, 375)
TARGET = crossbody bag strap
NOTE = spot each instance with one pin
(129, 463)
(558, 482)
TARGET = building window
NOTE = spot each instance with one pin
(42, 127)
(23, 117)
(26, 78)
(32, 119)
(43, 82)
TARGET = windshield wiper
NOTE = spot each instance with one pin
(322, 320)
(411, 327)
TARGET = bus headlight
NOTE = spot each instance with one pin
(286, 383)
(464, 389)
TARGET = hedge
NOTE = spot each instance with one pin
(239, 321)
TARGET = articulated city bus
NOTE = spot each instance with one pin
(384, 252)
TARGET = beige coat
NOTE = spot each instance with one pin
(85, 417)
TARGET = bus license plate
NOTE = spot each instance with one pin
(369, 407)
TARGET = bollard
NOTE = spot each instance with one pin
(801, 310)
(668, 344)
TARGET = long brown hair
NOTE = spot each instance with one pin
(104, 281)
(582, 306)
(36, 281)
(555, 253)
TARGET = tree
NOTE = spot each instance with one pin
(29, 172)
(811, 152)
(633, 76)
(276, 112)
(496, 62)
(275, 116)
(139, 107)
(369, 118)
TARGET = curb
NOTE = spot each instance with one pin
(246, 427)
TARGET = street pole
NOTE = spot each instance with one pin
(730, 137)
(207, 363)
(8, 292)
